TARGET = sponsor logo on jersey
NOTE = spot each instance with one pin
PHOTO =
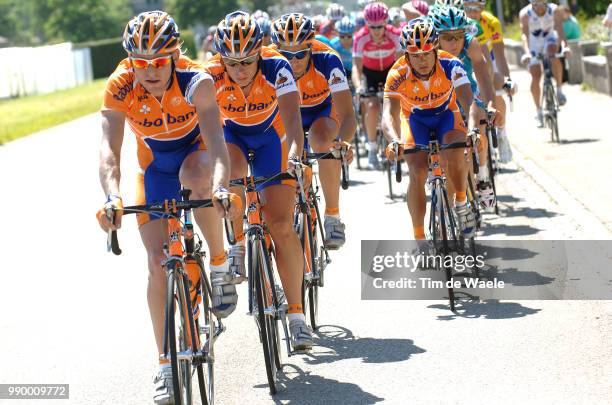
(306, 96)
(145, 109)
(143, 98)
(170, 119)
(217, 77)
(397, 83)
(430, 97)
(123, 92)
(176, 100)
(231, 97)
(252, 106)
(337, 77)
(458, 76)
(280, 79)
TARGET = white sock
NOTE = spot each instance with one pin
(221, 268)
(483, 173)
(296, 317)
(165, 365)
(373, 146)
(337, 216)
(460, 203)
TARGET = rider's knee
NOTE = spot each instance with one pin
(195, 175)
(281, 229)
(157, 275)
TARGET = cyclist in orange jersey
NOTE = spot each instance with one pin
(326, 107)
(259, 104)
(179, 142)
(421, 95)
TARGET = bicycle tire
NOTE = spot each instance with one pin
(264, 329)
(475, 208)
(187, 337)
(357, 151)
(206, 382)
(312, 286)
(170, 335)
(273, 321)
(445, 247)
(492, 173)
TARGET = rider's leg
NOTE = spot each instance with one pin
(416, 198)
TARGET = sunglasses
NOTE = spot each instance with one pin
(428, 47)
(376, 27)
(451, 37)
(139, 63)
(346, 37)
(299, 55)
(231, 62)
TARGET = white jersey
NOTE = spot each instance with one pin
(541, 26)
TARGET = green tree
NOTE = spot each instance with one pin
(82, 20)
(188, 12)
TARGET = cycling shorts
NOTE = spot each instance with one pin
(375, 79)
(160, 180)
(416, 128)
(540, 44)
(271, 152)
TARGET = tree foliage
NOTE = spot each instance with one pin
(189, 12)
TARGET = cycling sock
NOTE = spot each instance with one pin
(240, 238)
(332, 212)
(419, 232)
(296, 313)
(483, 173)
(163, 363)
(219, 263)
(373, 146)
(460, 198)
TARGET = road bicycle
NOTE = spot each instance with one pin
(443, 227)
(550, 102)
(189, 333)
(309, 227)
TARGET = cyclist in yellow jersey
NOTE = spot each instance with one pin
(180, 142)
(493, 37)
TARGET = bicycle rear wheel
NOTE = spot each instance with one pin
(310, 285)
(492, 173)
(437, 228)
(445, 221)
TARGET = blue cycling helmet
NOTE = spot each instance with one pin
(345, 26)
(448, 18)
(264, 24)
(359, 20)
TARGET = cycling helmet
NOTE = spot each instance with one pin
(394, 14)
(420, 6)
(292, 29)
(257, 14)
(334, 12)
(448, 18)
(345, 26)
(238, 36)
(264, 24)
(151, 33)
(419, 36)
(451, 3)
(359, 20)
(376, 13)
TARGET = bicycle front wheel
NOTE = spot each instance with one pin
(205, 325)
(265, 320)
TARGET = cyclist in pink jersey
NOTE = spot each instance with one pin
(375, 50)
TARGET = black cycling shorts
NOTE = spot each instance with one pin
(375, 79)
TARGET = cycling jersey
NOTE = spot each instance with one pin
(253, 122)
(431, 104)
(469, 69)
(323, 38)
(166, 131)
(541, 31)
(345, 54)
(377, 56)
(491, 30)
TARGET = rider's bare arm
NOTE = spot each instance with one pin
(391, 124)
(209, 119)
(289, 107)
(343, 103)
(500, 58)
(465, 97)
(559, 17)
(110, 151)
(356, 76)
(485, 81)
(524, 19)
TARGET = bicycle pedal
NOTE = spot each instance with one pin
(300, 351)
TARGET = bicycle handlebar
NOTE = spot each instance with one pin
(423, 148)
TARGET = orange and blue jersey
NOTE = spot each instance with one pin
(428, 104)
(166, 131)
(325, 75)
(253, 122)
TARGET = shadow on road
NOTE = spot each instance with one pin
(342, 344)
(527, 212)
(508, 199)
(489, 309)
(571, 141)
(509, 230)
(296, 386)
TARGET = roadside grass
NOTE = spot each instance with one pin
(24, 116)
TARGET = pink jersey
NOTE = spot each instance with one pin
(375, 56)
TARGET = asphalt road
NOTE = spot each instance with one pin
(72, 313)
